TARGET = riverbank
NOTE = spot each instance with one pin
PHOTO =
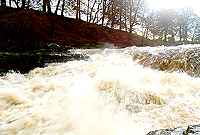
(22, 29)
(26, 35)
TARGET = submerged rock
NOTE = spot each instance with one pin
(176, 131)
(184, 58)
(191, 130)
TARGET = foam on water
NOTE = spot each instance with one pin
(109, 94)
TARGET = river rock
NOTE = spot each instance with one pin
(185, 58)
(190, 130)
(176, 131)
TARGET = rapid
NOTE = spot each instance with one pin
(127, 91)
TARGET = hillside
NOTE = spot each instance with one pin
(22, 29)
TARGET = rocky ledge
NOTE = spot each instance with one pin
(190, 130)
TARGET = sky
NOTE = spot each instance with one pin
(174, 4)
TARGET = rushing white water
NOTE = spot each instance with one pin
(109, 94)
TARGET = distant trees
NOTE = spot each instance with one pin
(195, 30)
(165, 26)
(170, 26)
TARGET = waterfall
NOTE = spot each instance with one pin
(114, 92)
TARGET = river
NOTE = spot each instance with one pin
(114, 92)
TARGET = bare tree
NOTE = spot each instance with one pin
(57, 6)
(103, 12)
(134, 9)
(63, 8)
(46, 4)
(91, 11)
(97, 11)
(78, 9)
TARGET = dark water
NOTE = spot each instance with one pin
(24, 62)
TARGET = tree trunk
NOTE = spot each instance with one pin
(44, 5)
(165, 36)
(49, 7)
(120, 18)
(147, 33)
(125, 19)
(88, 8)
(134, 19)
(28, 4)
(130, 17)
(96, 14)
(10, 3)
(185, 34)
(57, 6)
(79, 9)
(23, 3)
(90, 19)
(16, 3)
(78, 16)
(136, 13)
(180, 33)
(63, 7)
(103, 13)
(194, 33)
(143, 35)
(112, 13)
